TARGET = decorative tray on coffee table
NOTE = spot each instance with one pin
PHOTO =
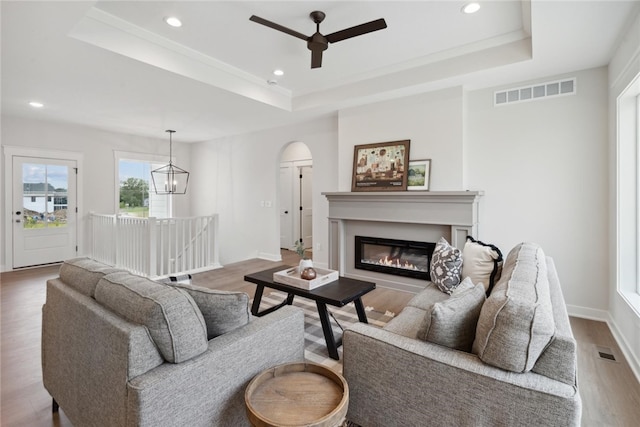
(291, 277)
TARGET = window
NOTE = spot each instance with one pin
(33, 199)
(628, 193)
(135, 195)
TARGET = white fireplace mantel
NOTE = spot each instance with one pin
(410, 215)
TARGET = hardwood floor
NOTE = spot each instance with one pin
(610, 392)
(25, 402)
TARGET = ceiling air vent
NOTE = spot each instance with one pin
(535, 92)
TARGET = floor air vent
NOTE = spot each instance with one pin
(535, 92)
(605, 353)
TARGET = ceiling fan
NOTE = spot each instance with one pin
(317, 43)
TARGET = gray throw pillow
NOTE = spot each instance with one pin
(171, 316)
(452, 322)
(223, 311)
(446, 266)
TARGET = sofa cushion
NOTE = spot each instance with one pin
(452, 322)
(222, 311)
(446, 266)
(410, 323)
(83, 274)
(516, 322)
(427, 297)
(482, 262)
(448, 320)
(172, 317)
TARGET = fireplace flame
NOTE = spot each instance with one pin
(396, 263)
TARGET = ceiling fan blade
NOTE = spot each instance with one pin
(316, 58)
(378, 24)
(278, 27)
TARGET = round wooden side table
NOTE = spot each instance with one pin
(297, 394)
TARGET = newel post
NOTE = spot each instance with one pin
(213, 238)
(152, 267)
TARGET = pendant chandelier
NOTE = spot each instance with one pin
(170, 179)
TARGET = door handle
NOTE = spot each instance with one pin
(286, 212)
(17, 220)
(18, 213)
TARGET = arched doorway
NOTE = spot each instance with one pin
(296, 196)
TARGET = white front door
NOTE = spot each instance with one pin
(44, 213)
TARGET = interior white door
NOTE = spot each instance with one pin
(44, 210)
(306, 206)
(286, 206)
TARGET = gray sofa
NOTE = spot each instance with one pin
(519, 371)
(122, 350)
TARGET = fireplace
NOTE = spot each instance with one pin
(410, 215)
(391, 256)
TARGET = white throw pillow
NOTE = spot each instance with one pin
(481, 262)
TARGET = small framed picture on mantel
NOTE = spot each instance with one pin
(381, 166)
(418, 175)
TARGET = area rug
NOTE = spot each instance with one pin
(315, 349)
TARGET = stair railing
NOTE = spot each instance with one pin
(156, 247)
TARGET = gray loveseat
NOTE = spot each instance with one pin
(519, 371)
(122, 350)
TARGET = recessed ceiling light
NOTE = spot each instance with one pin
(173, 21)
(278, 72)
(471, 7)
(36, 104)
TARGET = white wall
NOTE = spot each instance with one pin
(624, 321)
(433, 122)
(98, 172)
(542, 165)
(232, 175)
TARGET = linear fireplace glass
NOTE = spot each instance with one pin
(391, 256)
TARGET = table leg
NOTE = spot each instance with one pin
(362, 316)
(326, 329)
(258, 297)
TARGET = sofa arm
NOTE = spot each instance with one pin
(209, 389)
(88, 353)
(398, 381)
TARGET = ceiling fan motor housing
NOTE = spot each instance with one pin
(317, 42)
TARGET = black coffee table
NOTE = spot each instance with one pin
(338, 294)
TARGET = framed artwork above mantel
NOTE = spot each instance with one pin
(419, 174)
(381, 166)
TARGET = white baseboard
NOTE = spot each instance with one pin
(203, 269)
(633, 361)
(270, 257)
(604, 316)
(588, 313)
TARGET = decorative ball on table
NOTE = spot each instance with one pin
(308, 273)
